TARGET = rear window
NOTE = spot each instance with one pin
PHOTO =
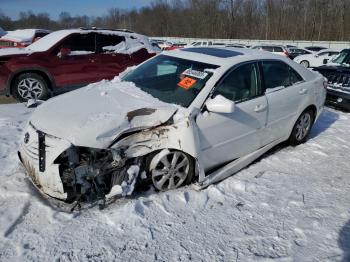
(267, 48)
(277, 73)
(107, 43)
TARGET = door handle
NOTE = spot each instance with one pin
(303, 91)
(260, 108)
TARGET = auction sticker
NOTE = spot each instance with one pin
(187, 83)
(195, 73)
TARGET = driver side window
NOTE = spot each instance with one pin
(241, 84)
(79, 44)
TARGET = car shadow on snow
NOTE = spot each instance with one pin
(344, 241)
(326, 119)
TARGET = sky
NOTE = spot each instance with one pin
(12, 8)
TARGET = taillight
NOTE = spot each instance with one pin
(286, 53)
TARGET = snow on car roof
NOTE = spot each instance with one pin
(22, 35)
(218, 52)
(48, 41)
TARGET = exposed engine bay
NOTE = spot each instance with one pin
(88, 175)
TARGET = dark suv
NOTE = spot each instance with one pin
(67, 59)
(338, 74)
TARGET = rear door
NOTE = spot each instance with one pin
(286, 92)
(80, 66)
(225, 137)
(113, 59)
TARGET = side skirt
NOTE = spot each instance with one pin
(235, 166)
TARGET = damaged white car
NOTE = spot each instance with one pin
(197, 115)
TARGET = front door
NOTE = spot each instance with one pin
(225, 137)
(80, 66)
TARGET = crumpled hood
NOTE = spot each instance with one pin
(95, 115)
(14, 51)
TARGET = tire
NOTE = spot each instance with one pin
(302, 128)
(30, 86)
(170, 169)
(305, 63)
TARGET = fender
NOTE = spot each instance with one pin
(182, 136)
(52, 83)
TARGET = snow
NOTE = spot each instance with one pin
(291, 205)
(132, 45)
(21, 35)
(107, 102)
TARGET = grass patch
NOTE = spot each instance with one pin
(7, 100)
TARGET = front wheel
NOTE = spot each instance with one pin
(171, 169)
(30, 86)
(305, 63)
(302, 128)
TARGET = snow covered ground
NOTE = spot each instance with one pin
(291, 205)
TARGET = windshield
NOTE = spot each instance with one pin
(170, 79)
(342, 58)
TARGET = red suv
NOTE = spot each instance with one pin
(67, 59)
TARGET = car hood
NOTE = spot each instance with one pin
(14, 51)
(95, 115)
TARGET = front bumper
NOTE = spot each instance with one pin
(46, 179)
(338, 99)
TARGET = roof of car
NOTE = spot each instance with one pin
(213, 51)
(46, 42)
(221, 55)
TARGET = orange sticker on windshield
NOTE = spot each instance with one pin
(187, 83)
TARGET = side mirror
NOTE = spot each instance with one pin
(325, 61)
(220, 104)
(64, 52)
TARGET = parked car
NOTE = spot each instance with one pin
(2, 32)
(195, 115)
(200, 43)
(175, 45)
(165, 44)
(67, 59)
(316, 59)
(315, 48)
(295, 51)
(338, 74)
(276, 49)
(236, 45)
(22, 37)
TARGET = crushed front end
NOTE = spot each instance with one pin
(75, 174)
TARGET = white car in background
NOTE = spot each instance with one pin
(276, 49)
(192, 115)
(316, 59)
(200, 43)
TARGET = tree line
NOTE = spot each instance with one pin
(235, 19)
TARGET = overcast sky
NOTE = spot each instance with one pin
(12, 8)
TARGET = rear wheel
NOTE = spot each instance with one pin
(171, 169)
(302, 128)
(305, 63)
(30, 86)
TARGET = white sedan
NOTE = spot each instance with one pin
(316, 59)
(196, 115)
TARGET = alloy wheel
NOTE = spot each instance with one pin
(171, 170)
(30, 88)
(303, 126)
